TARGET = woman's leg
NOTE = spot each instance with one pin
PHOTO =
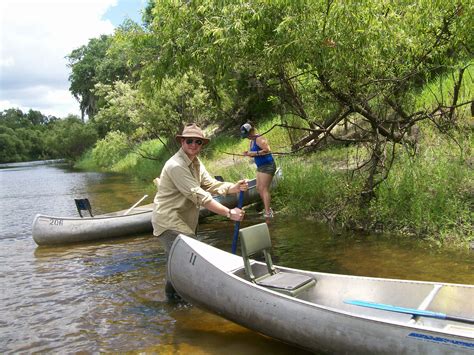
(263, 187)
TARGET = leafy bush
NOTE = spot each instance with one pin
(111, 149)
(12, 148)
(70, 138)
(147, 159)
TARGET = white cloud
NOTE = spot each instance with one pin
(7, 62)
(35, 38)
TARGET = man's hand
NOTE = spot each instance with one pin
(236, 214)
(241, 185)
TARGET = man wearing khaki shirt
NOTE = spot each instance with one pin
(184, 186)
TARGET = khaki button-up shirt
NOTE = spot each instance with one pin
(183, 188)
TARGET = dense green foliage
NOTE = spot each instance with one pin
(70, 137)
(111, 149)
(92, 64)
(33, 136)
(348, 72)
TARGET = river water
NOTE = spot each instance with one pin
(108, 296)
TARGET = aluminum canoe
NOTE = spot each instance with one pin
(319, 320)
(54, 230)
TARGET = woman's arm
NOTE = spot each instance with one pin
(264, 148)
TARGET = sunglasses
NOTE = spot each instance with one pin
(191, 141)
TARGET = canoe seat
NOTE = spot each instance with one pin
(256, 240)
(83, 204)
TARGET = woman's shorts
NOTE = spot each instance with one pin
(269, 168)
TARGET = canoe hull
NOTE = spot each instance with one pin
(50, 230)
(211, 279)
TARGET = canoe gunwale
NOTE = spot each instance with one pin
(95, 218)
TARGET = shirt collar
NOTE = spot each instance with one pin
(196, 163)
(183, 156)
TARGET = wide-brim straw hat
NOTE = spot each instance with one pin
(192, 131)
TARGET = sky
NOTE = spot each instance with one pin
(35, 38)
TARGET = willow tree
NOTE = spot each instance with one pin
(328, 62)
(370, 59)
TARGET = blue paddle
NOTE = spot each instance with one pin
(237, 224)
(413, 311)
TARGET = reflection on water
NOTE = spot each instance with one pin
(108, 296)
(316, 248)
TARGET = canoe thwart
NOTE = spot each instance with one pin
(135, 205)
(428, 299)
(256, 239)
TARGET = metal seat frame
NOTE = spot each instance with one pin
(256, 240)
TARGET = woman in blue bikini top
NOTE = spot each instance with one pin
(266, 167)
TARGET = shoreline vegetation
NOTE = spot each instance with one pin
(427, 196)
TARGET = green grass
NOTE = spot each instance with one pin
(145, 162)
(430, 196)
(437, 89)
